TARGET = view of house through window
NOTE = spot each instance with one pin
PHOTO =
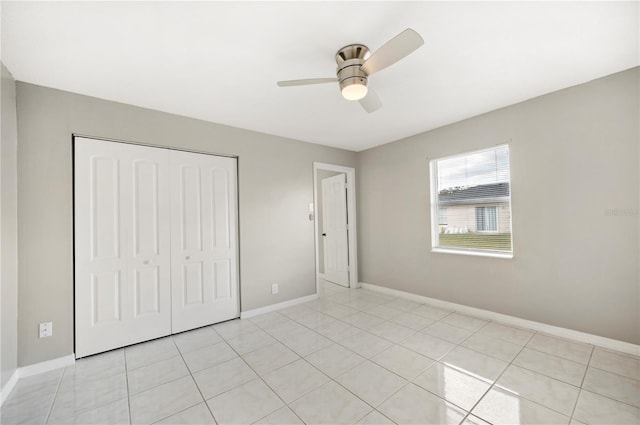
(471, 201)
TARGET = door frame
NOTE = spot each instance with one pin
(351, 217)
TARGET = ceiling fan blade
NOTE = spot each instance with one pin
(371, 102)
(395, 49)
(308, 81)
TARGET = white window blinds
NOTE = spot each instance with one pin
(471, 202)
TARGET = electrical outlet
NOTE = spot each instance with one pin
(274, 288)
(46, 329)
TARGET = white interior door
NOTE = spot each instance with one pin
(335, 229)
(122, 245)
(203, 240)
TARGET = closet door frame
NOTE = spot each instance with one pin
(235, 218)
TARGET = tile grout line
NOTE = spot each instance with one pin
(126, 374)
(53, 400)
(586, 369)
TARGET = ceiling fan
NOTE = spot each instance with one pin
(355, 67)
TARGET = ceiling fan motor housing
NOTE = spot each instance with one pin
(350, 59)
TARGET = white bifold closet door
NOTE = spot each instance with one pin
(150, 224)
(203, 240)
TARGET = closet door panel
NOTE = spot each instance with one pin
(122, 246)
(204, 240)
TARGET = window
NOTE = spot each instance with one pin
(443, 217)
(471, 203)
(486, 219)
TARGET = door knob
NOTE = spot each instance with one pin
(188, 257)
(324, 234)
(146, 262)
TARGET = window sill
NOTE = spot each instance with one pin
(507, 255)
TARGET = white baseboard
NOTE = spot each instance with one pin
(35, 369)
(8, 387)
(600, 341)
(46, 366)
(279, 306)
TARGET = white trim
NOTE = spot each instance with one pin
(351, 217)
(35, 369)
(279, 306)
(46, 366)
(8, 387)
(600, 341)
(440, 250)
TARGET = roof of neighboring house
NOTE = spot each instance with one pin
(496, 192)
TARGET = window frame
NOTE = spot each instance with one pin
(434, 208)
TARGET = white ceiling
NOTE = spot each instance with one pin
(219, 61)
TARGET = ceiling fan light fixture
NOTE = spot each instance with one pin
(354, 88)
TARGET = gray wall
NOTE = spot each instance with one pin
(275, 189)
(574, 157)
(8, 230)
(321, 175)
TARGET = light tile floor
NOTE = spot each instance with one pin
(352, 356)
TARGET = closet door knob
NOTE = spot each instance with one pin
(146, 262)
(188, 257)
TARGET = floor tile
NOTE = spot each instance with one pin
(75, 397)
(306, 342)
(412, 321)
(595, 409)
(430, 312)
(196, 415)
(503, 407)
(313, 319)
(621, 364)
(34, 412)
(98, 366)
(165, 400)
(403, 304)
(334, 360)
(507, 333)
(475, 364)
(336, 311)
(268, 320)
(384, 312)
(452, 385)
(363, 320)
(223, 377)
(611, 385)
(474, 420)
(375, 418)
(234, 328)
(295, 380)
(414, 405)
(284, 415)
(402, 361)
(464, 321)
(284, 329)
(146, 377)
(150, 352)
(337, 330)
(498, 348)
(269, 358)
(365, 344)
(372, 383)
(447, 332)
(427, 345)
(250, 341)
(114, 413)
(561, 348)
(330, 404)
(208, 356)
(197, 338)
(552, 366)
(391, 331)
(245, 404)
(549, 392)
